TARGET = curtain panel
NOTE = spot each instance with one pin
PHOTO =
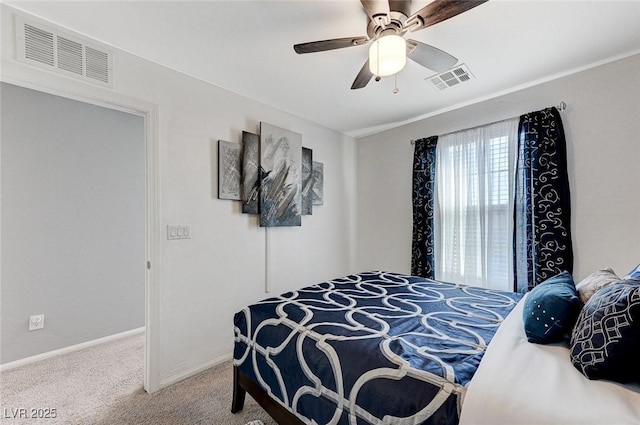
(424, 171)
(542, 210)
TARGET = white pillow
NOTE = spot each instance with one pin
(595, 281)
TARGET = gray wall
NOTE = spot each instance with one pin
(601, 123)
(73, 221)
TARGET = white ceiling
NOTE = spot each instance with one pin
(246, 47)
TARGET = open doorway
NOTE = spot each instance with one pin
(74, 223)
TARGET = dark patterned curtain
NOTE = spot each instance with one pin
(424, 172)
(542, 213)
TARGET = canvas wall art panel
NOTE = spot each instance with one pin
(281, 180)
(229, 170)
(318, 183)
(307, 181)
(250, 182)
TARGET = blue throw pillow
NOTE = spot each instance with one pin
(551, 309)
(605, 343)
(634, 273)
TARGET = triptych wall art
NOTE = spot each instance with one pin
(272, 174)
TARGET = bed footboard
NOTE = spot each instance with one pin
(242, 385)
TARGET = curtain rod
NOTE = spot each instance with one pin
(560, 106)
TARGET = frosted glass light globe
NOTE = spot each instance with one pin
(387, 55)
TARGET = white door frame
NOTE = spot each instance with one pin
(153, 233)
(150, 114)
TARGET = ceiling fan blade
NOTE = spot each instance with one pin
(401, 6)
(378, 11)
(429, 56)
(438, 11)
(322, 45)
(363, 77)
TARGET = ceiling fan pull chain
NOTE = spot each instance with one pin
(378, 59)
(396, 89)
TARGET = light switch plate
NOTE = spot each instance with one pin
(178, 231)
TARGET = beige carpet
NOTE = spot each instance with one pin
(103, 386)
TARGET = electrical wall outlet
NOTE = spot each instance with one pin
(36, 322)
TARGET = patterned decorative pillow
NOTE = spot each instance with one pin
(605, 343)
(634, 273)
(594, 282)
(551, 309)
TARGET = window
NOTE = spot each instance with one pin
(473, 209)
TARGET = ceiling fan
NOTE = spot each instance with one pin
(389, 21)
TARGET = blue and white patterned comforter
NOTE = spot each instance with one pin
(370, 348)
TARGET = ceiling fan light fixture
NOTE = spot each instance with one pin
(387, 55)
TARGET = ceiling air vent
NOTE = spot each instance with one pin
(50, 48)
(452, 77)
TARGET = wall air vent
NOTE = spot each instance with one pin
(64, 53)
(452, 77)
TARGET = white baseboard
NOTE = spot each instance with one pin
(194, 371)
(69, 349)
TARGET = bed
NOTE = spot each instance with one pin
(387, 348)
(370, 348)
(519, 383)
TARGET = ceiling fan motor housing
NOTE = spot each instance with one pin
(375, 30)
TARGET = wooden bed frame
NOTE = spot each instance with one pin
(242, 385)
